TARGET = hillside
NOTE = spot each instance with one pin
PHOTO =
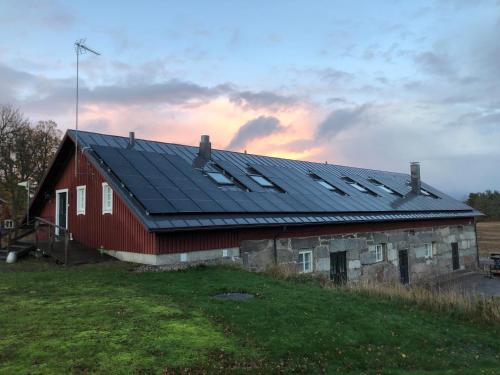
(106, 319)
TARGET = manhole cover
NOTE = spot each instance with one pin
(233, 296)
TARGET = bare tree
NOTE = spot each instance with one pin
(25, 153)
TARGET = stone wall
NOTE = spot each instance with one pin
(257, 255)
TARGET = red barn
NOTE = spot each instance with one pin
(168, 204)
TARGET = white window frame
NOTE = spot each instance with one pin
(105, 208)
(56, 221)
(378, 250)
(81, 203)
(429, 246)
(302, 264)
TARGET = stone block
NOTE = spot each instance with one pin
(380, 237)
(322, 251)
(322, 264)
(304, 243)
(346, 244)
(392, 254)
(367, 257)
(353, 264)
(353, 255)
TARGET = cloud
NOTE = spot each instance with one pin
(435, 63)
(341, 119)
(262, 99)
(257, 128)
(48, 14)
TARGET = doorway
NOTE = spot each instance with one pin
(454, 256)
(61, 210)
(338, 267)
(404, 274)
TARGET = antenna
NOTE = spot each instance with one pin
(80, 49)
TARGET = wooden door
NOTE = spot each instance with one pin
(338, 267)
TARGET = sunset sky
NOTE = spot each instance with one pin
(373, 84)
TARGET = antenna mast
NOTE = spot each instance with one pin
(80, 49)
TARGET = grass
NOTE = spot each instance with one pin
(106, 319)
(488, 236)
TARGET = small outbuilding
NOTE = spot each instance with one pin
(168, 204)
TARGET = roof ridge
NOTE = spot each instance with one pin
(239, 152)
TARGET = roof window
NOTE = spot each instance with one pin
(220, 178)
(428, 193)
(383, 187)
(357, 186)
(261, 180)
(327, 185)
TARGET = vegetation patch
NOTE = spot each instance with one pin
(104, 319)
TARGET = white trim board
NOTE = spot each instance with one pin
(56, 216)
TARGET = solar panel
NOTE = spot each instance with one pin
(167, 184)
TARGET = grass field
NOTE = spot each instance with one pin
(106, 319)
(488, 237)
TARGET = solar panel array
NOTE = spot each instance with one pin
(160, 178)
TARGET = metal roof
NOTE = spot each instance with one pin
(159, 183)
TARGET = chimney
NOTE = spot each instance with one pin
(131, 140)
(415, 177)
(204, 152)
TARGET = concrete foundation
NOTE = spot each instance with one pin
(190, 258)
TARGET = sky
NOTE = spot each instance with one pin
(373, 84)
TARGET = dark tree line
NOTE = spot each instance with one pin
(488, 203)
(26, 150)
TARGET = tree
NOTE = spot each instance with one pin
(25, 154)
(487, 202)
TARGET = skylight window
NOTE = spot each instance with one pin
(428, 193)
(383, 187)
(262, 181)
(327, 185)
(355, 185)
(220, 178)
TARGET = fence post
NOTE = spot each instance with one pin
(66, 242)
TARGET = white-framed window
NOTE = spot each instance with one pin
(305, 261)
(81, 192)
(378, 252)
(107, 199)
(429, 249)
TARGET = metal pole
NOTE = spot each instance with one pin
(28, 202)
(76, 127)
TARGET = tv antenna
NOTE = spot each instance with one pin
(80, 49)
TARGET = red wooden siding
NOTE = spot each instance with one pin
(217, 239)
(118, 231)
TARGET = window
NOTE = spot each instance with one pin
(327, 185)
(80, 200)
(357, 186)
(428, 193)
(107, 199)
(383, 187)
(220, 178)
(305, 261)
(262, 181)
(378, 252)
(429, 250)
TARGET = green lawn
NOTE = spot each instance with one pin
(106, 319)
